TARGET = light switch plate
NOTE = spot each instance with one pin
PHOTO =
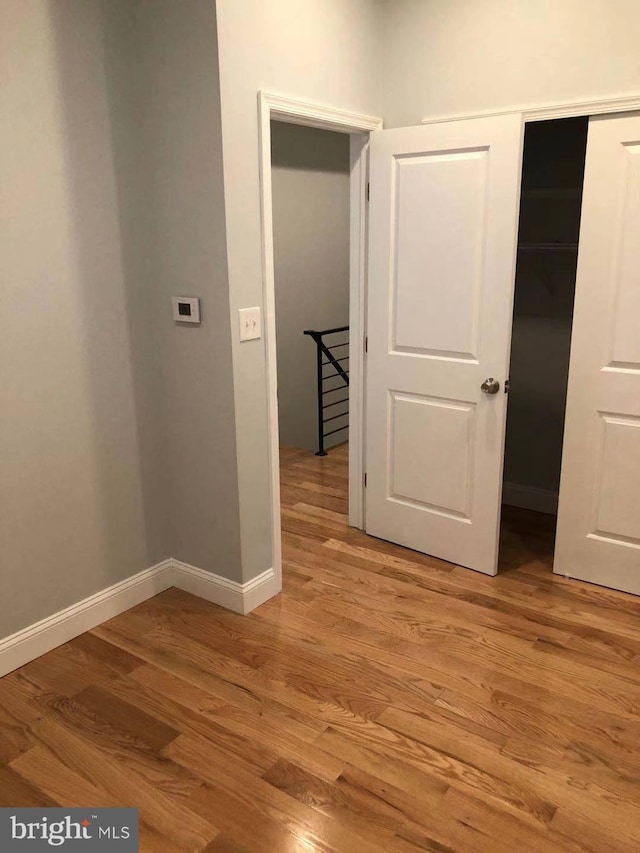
(250, 324)
(186, 309)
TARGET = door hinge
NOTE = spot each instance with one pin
(365, 481)
(368, 190)
(366, 343)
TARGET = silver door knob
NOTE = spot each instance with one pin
(490, 386)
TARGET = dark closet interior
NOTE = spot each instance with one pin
(552, 178)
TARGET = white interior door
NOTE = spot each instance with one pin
(443, 232)
(598, 537)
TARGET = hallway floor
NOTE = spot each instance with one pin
(386, 701)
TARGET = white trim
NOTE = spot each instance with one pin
(269, 326)
(47, 634)
(239, 597)
(628, 103)
(295, 111)
(530, 497)
(359, 161)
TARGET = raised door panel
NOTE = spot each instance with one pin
(616, 514)
(438, 252)
(625, 344)
(430, 454)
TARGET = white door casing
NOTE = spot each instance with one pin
(444, 207)
(598, 536)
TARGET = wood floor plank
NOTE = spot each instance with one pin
(15, 790)
(385, 701)
(484, 694)
(328, 697)
(63, 784)
(607, 691)
(334, 799)
(551, 784)
(14, 737)
(544, 720)
(594, 837)
(235, 800)
(465, 824)
(457, 770)
(226, 843)
(126, 716)
(96, 650)
(171, 818)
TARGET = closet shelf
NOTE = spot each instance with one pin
(548, 247)
(552, 192)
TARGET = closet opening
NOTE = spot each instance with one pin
(549, 225)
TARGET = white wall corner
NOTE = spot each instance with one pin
(47, 634)
(239, 597)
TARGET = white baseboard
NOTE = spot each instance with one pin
(239, 597)
(45, 635)
(530, 497)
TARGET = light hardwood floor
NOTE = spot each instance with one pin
(385, 701)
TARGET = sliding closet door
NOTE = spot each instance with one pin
(599, 512)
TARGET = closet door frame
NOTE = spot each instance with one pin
(575, 109)
(581, 109)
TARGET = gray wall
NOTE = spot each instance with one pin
(310, 181)
(450, 57)
(545, 288)
(117, 432)
(166, 108)
(71, 492)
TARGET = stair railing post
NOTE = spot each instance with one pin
(321, 451)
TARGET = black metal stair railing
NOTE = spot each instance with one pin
(338, 365)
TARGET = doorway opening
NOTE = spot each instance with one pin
(310, 197)
(549, 224)
(357, 127)
(310, 189)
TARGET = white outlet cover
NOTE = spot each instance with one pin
(186, 309)
(250, 324)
